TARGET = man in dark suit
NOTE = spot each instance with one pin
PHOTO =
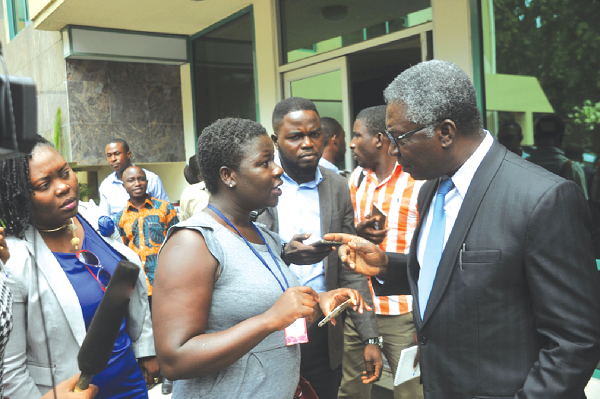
(501, 264)
(316, 201)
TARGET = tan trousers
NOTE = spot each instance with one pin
(398, 333)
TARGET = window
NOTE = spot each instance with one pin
(541, 57)
(18, 16)
(223, 71)
(310, 27)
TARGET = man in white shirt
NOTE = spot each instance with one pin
(334, 139)
(507, 298)
(113, 196)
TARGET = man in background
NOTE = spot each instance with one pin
(113, 195)
(379, 179)
(511, 136)
(549, 131)
(195, 197)
(334, 139)
(144, 221)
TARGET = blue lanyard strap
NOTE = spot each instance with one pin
(215, 210)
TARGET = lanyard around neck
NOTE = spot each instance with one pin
(287, 285)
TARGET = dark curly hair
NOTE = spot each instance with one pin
(222, 144)
(373, 118)
(290, 104)
(15, 191)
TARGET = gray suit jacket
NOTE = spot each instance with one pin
(337, 216)
(48, 293)
(520, 315)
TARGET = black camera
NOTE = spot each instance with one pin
(18, 114)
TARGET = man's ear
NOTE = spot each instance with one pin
(447, 131)
(379, 140)
(274, 138)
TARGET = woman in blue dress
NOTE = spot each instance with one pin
(58, 272)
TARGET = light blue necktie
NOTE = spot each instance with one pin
(434, 247)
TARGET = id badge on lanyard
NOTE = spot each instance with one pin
(295, 333)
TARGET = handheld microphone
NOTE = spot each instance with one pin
(100, 339)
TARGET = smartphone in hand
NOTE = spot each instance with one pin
(335, 312)
(377, 211)
(326, 243)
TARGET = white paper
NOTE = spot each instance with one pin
(405, 369)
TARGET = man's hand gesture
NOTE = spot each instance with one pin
(360, 255)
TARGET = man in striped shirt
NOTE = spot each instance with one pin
(379, 179)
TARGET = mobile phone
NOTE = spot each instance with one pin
(377, 211)
(335, 312)
(326, 243)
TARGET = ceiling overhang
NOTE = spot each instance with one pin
(180, 17)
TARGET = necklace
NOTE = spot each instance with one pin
(75, 241)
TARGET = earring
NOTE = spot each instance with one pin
(231, 185)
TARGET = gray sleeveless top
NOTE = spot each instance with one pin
(245, 288)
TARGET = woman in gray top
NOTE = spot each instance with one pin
(222, 293)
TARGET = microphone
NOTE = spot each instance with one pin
(100, 339)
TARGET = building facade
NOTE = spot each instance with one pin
(156, 73)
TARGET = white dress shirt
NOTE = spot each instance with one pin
(454, 199)
(299, 212)
(326, 164)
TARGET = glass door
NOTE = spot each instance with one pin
(325, 84)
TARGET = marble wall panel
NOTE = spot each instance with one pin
(88, 71)
(138, 138)
(88, 142)
(129, 103)
(164, 105)
(167, 143)
(168, 75)
(127, 72)
(89, 102)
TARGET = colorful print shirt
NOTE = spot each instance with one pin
(144, 230)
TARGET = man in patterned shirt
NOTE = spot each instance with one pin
(144, 221)
(379, 179)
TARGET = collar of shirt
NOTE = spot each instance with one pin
(464, 175)
(147, 204)
(311, 184)
(372, 176)
(326, 164)
(114, 179)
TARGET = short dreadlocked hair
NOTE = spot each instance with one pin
(373, 118)
(15, 191)
(291, 104)
(222, 144)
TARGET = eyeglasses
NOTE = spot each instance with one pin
(398, 139)
(90, 259)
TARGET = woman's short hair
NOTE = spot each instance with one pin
(15, 189)
(222, 144)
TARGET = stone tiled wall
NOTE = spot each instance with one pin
(140, 103)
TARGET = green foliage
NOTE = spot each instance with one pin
(588, 115)
(557, 41)
(56, 139)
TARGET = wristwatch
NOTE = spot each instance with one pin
(375, 341)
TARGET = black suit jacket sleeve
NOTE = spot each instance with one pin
(396, 279)
(564, 287)
(366, 323)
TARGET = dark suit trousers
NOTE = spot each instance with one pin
(315, 363)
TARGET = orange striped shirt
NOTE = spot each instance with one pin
(397, 196)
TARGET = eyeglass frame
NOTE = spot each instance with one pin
(397, 140)
(99, 266)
